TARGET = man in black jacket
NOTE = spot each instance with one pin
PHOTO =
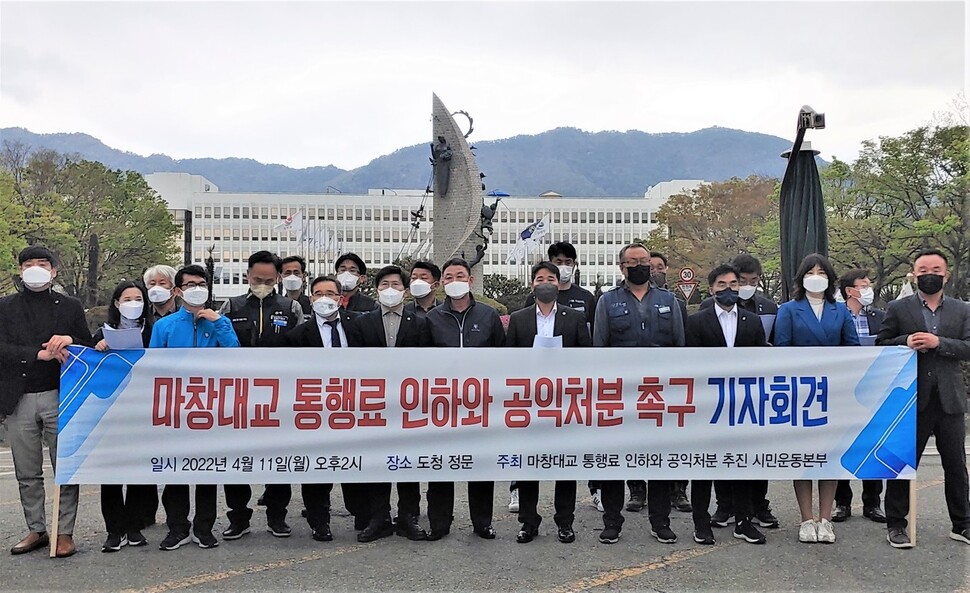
(329, 328)
(351, 274)
(261, 318)
(546, 319)
(857, 292)
(391, 326)
(938, 329)
(36, 327)
(725, 325)
(460, 322)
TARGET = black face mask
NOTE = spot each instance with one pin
(659, 278)
(930, 283)
(638, 275)
(546, 292)
(726, 297)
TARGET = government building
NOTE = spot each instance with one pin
(383, 226)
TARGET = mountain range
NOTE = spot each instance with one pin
(565, 160)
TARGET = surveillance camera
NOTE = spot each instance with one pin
(808, 118)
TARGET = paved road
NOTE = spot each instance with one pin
(860, 561)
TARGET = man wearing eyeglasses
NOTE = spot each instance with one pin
(260, 318)
(637, 315)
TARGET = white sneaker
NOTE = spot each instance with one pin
(514, 502)
(597, 501)
(808, 532)
(826, 533)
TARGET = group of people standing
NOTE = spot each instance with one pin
(172, 309)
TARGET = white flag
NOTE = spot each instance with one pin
(293, 222)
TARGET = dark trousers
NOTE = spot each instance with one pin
(441, 504)
(594, 485)
(611, 494)
(316, 500)
(175, 499)
(565, 503)
(758, 490)
(408, 499)
(658, 501)
(357, 502)
(276, 496)
(871, 491)
(951, 435)
(738, 490)
(125, 512)
(151, 506)
(379, 500)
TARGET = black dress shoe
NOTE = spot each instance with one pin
(323, 534)
(487, 532)
(566, 534)
(841, 513)
(874, 513)
(437, 533)
(375, 531)
(526, 534)
(407, 526)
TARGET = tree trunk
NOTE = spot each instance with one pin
(91, 284)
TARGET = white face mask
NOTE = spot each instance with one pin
(196, 297)
(866, 296)
(292, 282)
(36, 277)
(391, 297)
(325, 307)
(261, 291)
(420, 288)
(566, 273)
(348, 281)
(159, 294)
(131, 309)
(457, 289)
(746, 292)
(815, 283)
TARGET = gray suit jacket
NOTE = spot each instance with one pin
(939, 369)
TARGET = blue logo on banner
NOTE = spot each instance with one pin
(89, 373)
(888, 443)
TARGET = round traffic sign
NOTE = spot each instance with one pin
(687, 274)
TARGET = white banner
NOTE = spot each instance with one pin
(247, 415)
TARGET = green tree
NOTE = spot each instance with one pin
(510, 292)
(12, 215)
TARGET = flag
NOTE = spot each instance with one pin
(293, 222)
(528, 238)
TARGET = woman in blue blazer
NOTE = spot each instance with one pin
(813, 318)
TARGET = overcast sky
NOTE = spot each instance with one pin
(342, 83)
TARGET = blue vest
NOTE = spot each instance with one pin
(629, 329)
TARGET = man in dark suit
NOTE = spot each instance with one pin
(749, 275)
(328, 329)
(527, 327)
(351, 273)
(725, 325)
(391, 326)
(36, 327)
(856, 289)
(938, 328)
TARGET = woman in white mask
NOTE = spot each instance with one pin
(814, 318)
(125, 514)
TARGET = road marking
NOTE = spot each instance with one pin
(618, 574)
(212, 577)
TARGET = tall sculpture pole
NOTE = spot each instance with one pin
(457, 185)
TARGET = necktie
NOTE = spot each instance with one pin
(334, 334)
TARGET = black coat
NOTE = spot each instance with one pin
(569, 323)
(367, 331)
(18, 352)
(307, 335)
(938, 369)
(704, 330)
(361, 303)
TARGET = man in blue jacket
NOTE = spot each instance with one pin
(195, 325)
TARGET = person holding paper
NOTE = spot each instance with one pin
(937, 327)
(856, 289)
(725, 325)
(36, 327)
(125, 515)
(195, 325)
(529, 328)
(813, 318)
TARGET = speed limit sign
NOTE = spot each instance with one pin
(686, 274)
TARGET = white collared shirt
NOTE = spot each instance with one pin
(545, 324)
(729, 323)
(325, 333)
